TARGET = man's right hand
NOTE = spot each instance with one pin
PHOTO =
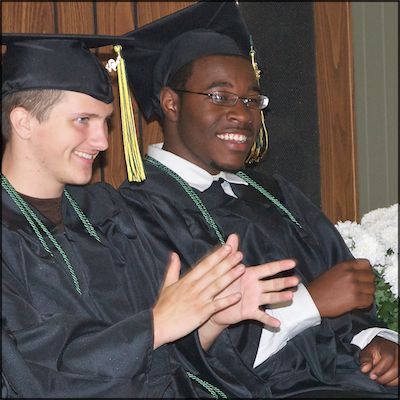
(346, 286)
(186, 303)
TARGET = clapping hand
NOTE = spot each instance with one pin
(185, 304)
(255, 292)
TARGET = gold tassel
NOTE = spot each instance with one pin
(133, 158)
(260, 145)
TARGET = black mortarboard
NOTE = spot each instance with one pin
(56, 61)
(65, 62)
(167, 44)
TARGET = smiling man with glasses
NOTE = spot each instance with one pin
(190, 70)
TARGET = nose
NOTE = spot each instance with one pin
(241, 113)
(99, 137)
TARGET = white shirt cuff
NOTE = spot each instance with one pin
(295, 317)
(301, 313)
(364, 337)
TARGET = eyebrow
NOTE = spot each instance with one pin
(91, 115)
(214, 84)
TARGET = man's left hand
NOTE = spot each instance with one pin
(380, 359)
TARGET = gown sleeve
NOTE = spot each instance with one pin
(67, 354)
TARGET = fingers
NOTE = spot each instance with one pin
(359, 270)
(385, 370)
(361, 281)
(389, 378)
(276, 297)
(360, 264)
(363, 270)
(188, 303)
(217, 275)
(266, 319)
(365, 277)
(277, 284)
(272, 293)
(233, 241)
(364, 300)
(363, 294)
(224, 302)
(366, 288)
(173, 269)
(207, 263)
(272, 268)
(393, 383)
(212, 287)
(380, 360)
(366, 366)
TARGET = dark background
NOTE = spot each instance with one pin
(283, 36)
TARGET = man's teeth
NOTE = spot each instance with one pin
(233, 137)
(87, 156)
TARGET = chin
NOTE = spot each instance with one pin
(80, 180)
(228, 166)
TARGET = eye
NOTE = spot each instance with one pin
(220, 96)
(82, 120)
(223, 98)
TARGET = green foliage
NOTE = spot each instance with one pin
(387, 304)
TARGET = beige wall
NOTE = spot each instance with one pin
(375, 48)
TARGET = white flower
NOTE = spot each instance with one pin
(382, 222)
(376, 239)
(389, 238)
(368, 247)
(380, 216)
(361, 243)
(349, 230)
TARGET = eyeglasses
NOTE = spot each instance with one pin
(228, 99)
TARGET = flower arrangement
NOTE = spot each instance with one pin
(376, 238)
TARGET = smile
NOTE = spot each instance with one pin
(233, 137)
(86, 156)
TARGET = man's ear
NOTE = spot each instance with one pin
(22, 122)
(170, 103)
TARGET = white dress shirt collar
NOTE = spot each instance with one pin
(191, 173)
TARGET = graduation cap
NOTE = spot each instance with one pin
(65, 62)
(167, 44)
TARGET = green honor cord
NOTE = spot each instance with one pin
(38, 226)
(203, 209)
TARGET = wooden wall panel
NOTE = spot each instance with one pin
(74, 17)
(26, 16)
(335, 94)
(149, 11)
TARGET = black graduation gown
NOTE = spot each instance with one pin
(320, 357)
(57, 343)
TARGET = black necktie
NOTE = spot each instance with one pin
(215, 196)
